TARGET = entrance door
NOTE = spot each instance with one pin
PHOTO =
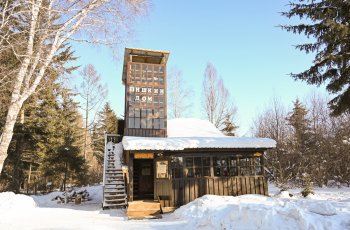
(144, 174)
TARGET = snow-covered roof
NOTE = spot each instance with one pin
(190, 133)
(181, 143)
(192, 127)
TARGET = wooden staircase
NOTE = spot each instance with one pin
(114, 192)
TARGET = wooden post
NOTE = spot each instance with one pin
(29, 174)
(131, 177)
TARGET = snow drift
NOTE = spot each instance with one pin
(328, 209)
(258, 212)
(11, 201)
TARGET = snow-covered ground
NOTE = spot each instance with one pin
(328, 209)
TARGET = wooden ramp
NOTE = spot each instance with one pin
(144, 209)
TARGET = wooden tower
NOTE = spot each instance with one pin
(144, 77)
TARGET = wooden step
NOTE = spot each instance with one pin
(115, 200)
(121, 205)
(115, 176)
(114, 173)
(115, 195)
(143, 209)
(115, 183)
(114, 191)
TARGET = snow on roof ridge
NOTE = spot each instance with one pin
(192, 127)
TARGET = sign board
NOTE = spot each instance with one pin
(143, 155)
(257, 154)
(162, 169)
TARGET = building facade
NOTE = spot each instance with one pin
(173, 168)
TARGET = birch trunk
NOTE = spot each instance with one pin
(7, 133)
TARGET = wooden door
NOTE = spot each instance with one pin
(146, 178)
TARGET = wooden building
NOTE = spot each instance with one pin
(179, 169)
(178, 161)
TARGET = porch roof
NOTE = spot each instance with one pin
(182, 143)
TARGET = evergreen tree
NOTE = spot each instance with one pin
(229, 127)
(107, 122)
(301, 141)
(66, 161)
(297, 118)
(328, 22)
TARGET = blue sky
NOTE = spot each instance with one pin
(241, 38)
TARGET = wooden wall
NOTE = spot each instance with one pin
(184, 190)
(145, 132)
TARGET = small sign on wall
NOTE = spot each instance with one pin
(162, 169)
(143, 155)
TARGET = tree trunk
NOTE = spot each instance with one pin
(65, 176)
(17, 175)
(7, 133)
(29, 175)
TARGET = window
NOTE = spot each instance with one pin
(131, 74)
(177, 167)
(137, 112)
(197, 166)
(156, 123)
(137, 73)
(206, 166)
(143, 123)
(131, 123)
(137, 122)
(149, 118)
(161, 101)
(233, 165)
(161, 123)
(144, 74)
(161, 113)
(220, 165)
(161, 79)
(233, 170)
(155, 74)
(143, 112)
(143, 118)
(131, 111)
(149, 74)
(155, 100)
(189, 168)
(250, 166)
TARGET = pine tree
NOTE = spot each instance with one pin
(229, 127)
(66, 161)
(328, 22)
(298, 120)
(301, 141)
(107, 122)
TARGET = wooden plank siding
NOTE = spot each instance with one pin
(184, 190)
(145, 132)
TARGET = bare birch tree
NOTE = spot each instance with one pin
(179, 96)
(93, 94)
(45, 26)
(216, 102)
